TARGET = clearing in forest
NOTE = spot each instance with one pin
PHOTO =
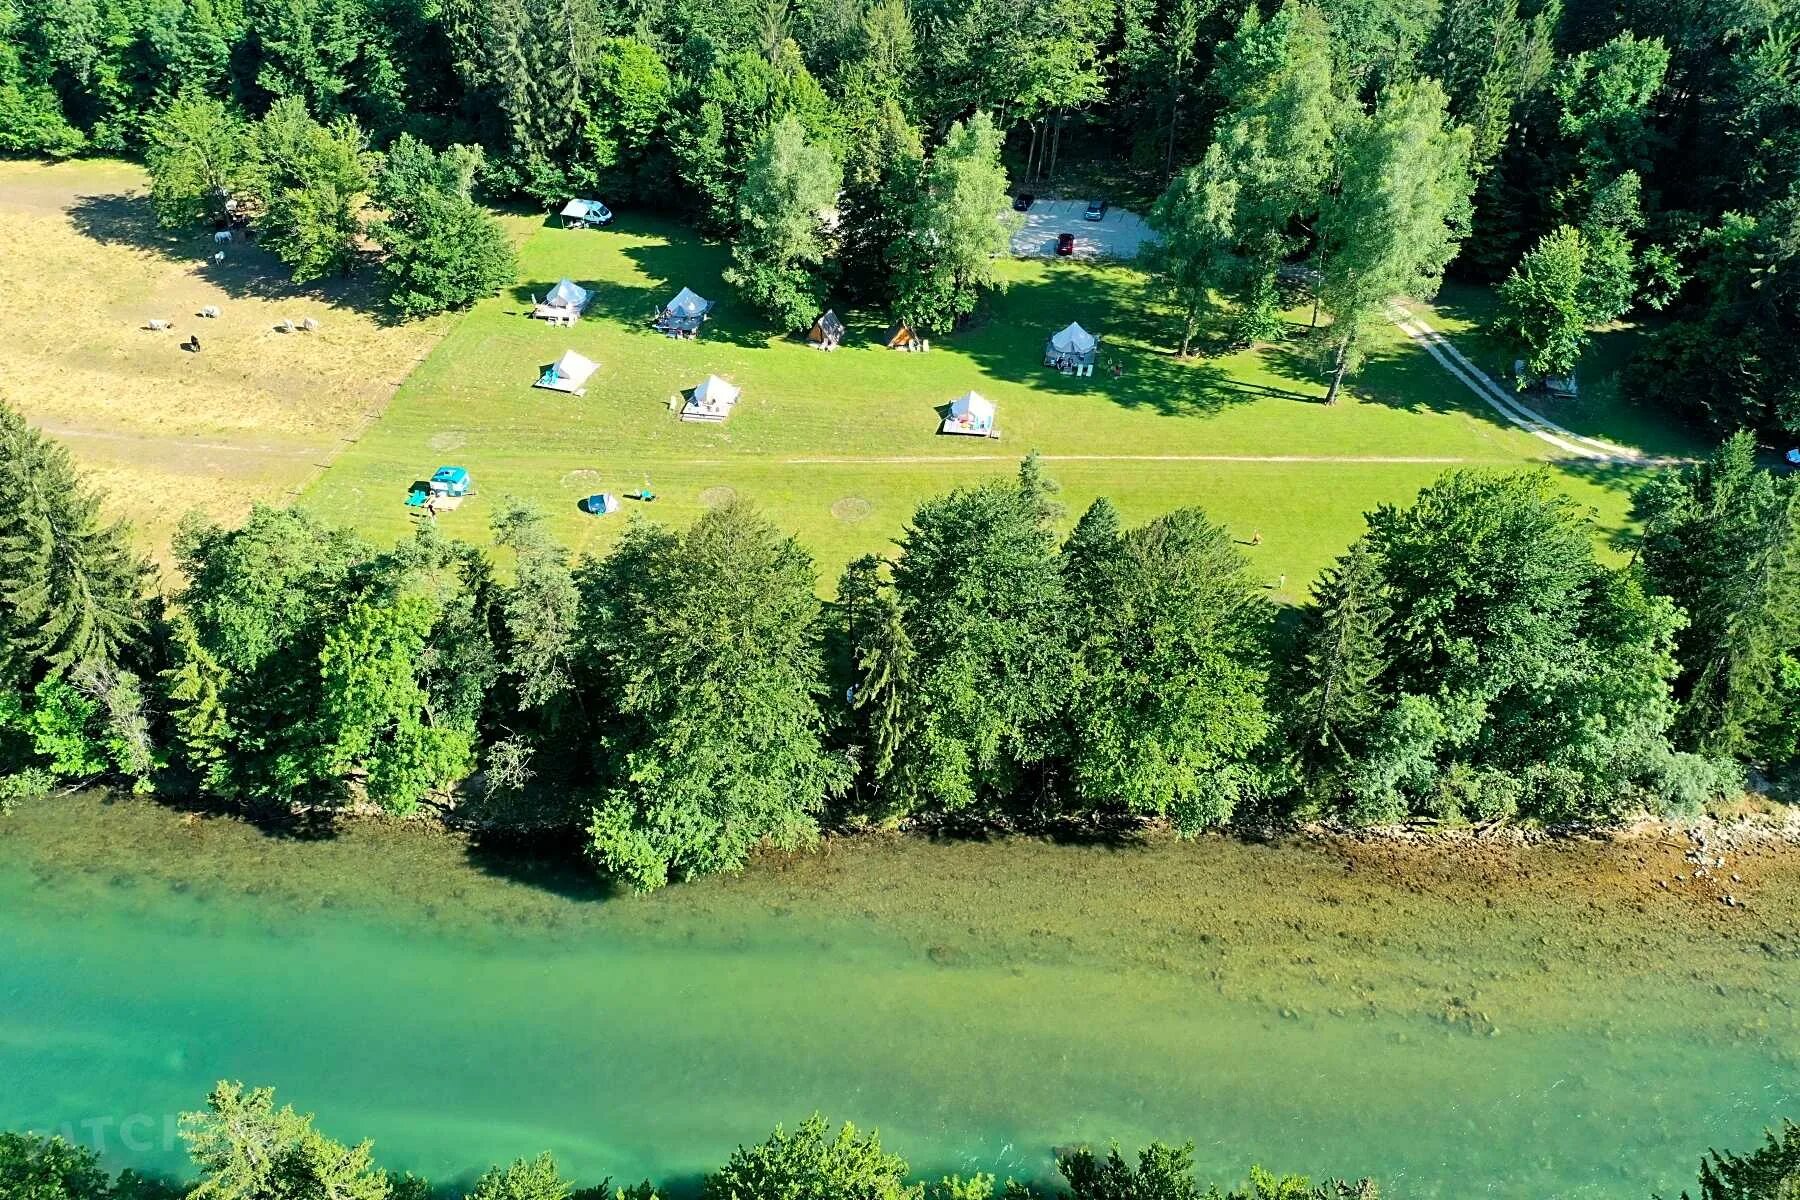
(840, 446)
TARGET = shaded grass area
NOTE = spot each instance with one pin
(841, 447)
(1602, 409)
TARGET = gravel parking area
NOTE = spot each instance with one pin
(1119, 235)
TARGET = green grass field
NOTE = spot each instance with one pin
(840, 447)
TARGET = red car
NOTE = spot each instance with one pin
(1065, 244)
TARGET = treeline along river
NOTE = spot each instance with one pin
(1566, 1020)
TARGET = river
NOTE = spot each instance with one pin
(1543, 1022)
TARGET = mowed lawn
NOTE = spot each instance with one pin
(840, 447)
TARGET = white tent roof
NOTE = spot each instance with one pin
(584, 208)
(688, 303)
(567, 294)
(973, 403)
(575, 367)
(714, 392)
(1072, 340)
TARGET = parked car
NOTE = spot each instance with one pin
(1096, 209)
(1023, 201)
(1065, 244)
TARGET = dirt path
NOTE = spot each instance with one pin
(171, 449)
(934, 459)
(1508, 405)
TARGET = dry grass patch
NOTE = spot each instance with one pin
(251, 417)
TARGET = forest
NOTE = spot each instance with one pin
(686, 697)
(245, 1147)
(1593, 159)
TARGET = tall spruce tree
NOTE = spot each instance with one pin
(1333, 679)
(71, 586)
(1723, 539)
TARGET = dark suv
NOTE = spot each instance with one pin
(1096, 209)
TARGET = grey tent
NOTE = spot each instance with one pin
(1070, 348)
(683, 315)
(563, 303)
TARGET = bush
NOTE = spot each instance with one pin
(32, 783)
(1682, 783)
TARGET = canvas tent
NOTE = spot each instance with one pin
(585, 214)
(827, 331)
(681, 317)
(1072, 348)
(711, 401)
(568, 374)
(902, 337)
(563, 303)
(971, 414)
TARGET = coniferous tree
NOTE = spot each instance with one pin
(1723, 539)
(71, 586)
(1333, 679)
(1770, 1172)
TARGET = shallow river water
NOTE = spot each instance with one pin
(1516, 1023)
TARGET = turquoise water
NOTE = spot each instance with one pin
(981, 1004)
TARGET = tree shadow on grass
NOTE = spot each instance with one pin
(1008, 341)
(1624, 478)
(248, 271)
(681, 260)
(1394, 375)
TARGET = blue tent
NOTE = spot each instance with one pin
(451, 481)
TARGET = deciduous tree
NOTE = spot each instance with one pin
(442, 249)
(945, 260)
(704, 646)
(1395, 218)
(1167, 706)
(199, 159)
(782, 246)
